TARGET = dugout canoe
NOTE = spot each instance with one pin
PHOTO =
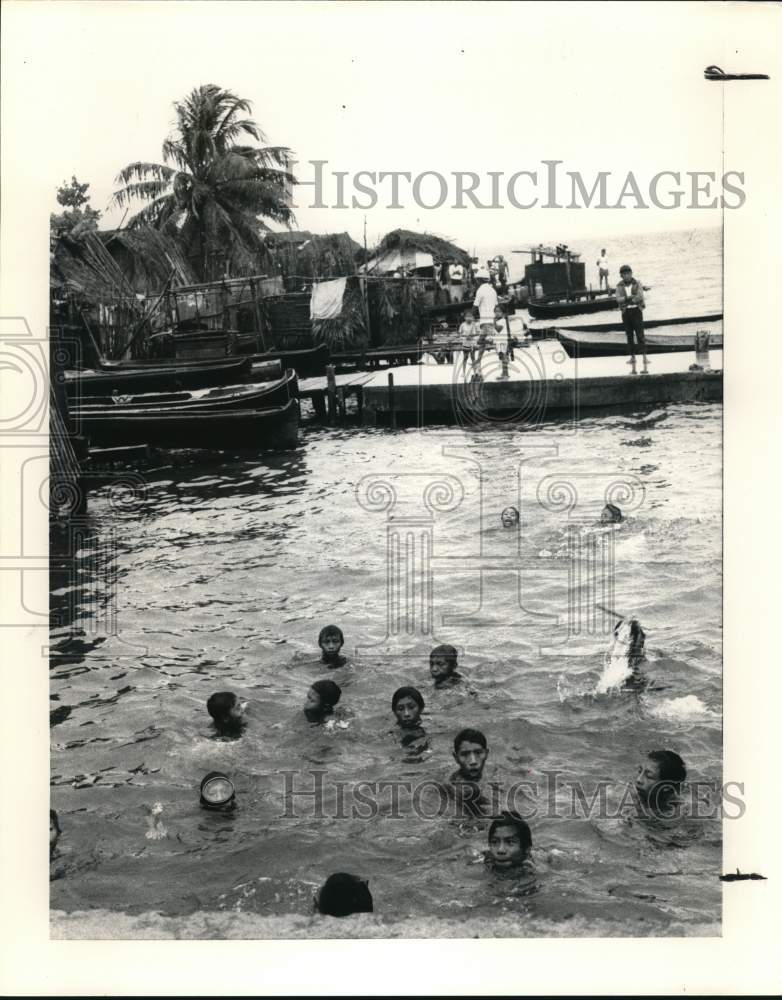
(215, 399)
(586, 344)
(143, 377)
(649, 324)
(539, 309)
(270, 427)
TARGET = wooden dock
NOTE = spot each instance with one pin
(542, 382)
(329, 392)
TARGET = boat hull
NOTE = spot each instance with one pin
(212, 400)
(565, 307)
(583, 344)
(273, 427)
(141, 377)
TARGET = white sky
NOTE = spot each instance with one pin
(407, 86)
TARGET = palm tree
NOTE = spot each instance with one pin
(211, 190)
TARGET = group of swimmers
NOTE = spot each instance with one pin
(509, 847)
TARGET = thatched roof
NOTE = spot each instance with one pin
(405, 241)
(148, 257)
(312, 255)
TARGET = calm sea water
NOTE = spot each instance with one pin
(226, 568)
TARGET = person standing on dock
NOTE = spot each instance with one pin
(485, 302)
(630, 296)
(602, 270)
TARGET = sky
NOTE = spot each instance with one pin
(412, 87)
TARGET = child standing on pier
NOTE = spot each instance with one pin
(468, 331)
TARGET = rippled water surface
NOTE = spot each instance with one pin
(226, 567)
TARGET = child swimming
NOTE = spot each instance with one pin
(343, 894)
(321, 699)
(510, 842)
(407, 705)
(659, 782)
(443, 661)
(509, 517)
(227, 711)
(217, 792)
(331, 640)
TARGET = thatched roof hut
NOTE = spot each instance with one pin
(147, 258)
(303, 256)
(403, 248)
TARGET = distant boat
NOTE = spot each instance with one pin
(666, 336)
(594, 302)
(270, 427)
(649, 324)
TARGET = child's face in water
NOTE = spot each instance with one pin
(505, 847)
(441, 668)
(313, 703)
(331, 646)
(471, 758)
(236, 711)
(407, 712)
(648, 777)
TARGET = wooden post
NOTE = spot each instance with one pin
(319, 404)
(391, 401)
(258, 315)
(331, 393)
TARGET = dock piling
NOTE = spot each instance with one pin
(391, 408)
(331, 393)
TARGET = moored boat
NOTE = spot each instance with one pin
(270, 427)
(590, 344)
(160, 376)
(214, 399)
(591, 303)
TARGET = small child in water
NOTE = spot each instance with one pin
(443, 661)
(331, 640)
(227, 711)
(217, 792)
(407, 705)
(343, 894)
(509, 517)
(321, 699)
(510, 842)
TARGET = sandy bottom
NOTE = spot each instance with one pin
(95, 925)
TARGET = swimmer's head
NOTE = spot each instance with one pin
(660, 777)
(610, 514)
(509, 517)
(510, 840)
(331, 640)
(407, 705)
(322, 697)
(54, 831)
(442, 662)
(225, 708)
(217, 792)
(470, 752)
(343, 894)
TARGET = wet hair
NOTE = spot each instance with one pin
(613, 510)
(447, 652)
(671, 767)
(328, 692)
(331, 631)
(520, 825)
(228, 804)
(469, 736)
(407, 692)
(625, 269)
(514, 510)
(343, 894)
(219, 705)
(55, 820)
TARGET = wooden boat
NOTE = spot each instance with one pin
(169, 427)
(213, 400)
(159, 376)
(588, 344)
(308, 361)
(649, 324)
(543, 309)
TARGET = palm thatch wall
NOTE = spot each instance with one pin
(302, 257)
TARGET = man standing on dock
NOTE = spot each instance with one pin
(602, 270)
(630, 296)
(485, 302)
